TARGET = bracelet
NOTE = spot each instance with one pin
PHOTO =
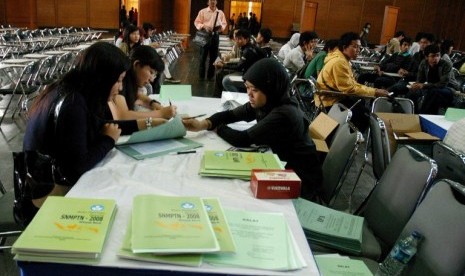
(148, 122)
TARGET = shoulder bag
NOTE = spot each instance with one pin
(32, 169)
(202, 37)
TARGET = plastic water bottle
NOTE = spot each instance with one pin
(400, 255)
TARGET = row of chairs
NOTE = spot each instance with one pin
(27, 79)
(20, 42)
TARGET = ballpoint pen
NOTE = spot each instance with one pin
(169, 101)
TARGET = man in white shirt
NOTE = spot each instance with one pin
(298, 56)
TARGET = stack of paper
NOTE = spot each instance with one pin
(236, 164)
(176, 230)
(263, 241)
(157, 141)
(67, 230)
(328, 227)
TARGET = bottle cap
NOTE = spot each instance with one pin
(417, 235)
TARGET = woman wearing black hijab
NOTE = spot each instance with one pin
(281, 125)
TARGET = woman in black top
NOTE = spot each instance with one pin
(81, 137)
(280, 123)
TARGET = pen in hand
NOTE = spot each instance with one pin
(169, 101)
(194, 117)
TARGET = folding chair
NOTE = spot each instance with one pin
(22, 77)
(387, 105)
(303, 90)
(440, 219)
(400, 190)
(339, 160)
(451, 162)
(378, 138)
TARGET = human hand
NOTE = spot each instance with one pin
(195, 125)
(381, 93)
(158, 121)
(417, 86)
(402, 72)
(168, 112)
(111, 130)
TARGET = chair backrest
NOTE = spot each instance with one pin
(340, 113)
(451, 163)
(404, 183)
(380, 147)
(393, 105)
(440, 218)
(338, 160)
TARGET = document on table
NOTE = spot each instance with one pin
(263, 241)
(171, 129)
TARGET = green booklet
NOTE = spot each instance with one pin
(237, 164)
(220, 225)
(337, 265)
(171, 224)
(67, 228)
(151, 149)
(171, 129)
(263, 241)
(330, 227)
(194, 260)
(157, 141)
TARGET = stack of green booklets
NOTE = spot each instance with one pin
(236, 164)
(67, 230)
(328, 227)
(176, 230)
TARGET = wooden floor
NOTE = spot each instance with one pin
(185, 69)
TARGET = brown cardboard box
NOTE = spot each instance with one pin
(275, 184)
(320, 129)
(406, 129)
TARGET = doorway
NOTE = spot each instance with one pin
(132, 10)
(249, 9)
(308, 16)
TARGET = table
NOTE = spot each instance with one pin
(121, 177)
(436, 125)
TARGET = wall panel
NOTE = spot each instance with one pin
(181, 17)
(46, 13)
(3, 20)
(21, 13)
(278, 16)
(151, 11)
(104, 13)
(72, 13)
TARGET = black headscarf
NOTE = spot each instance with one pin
(270, 77)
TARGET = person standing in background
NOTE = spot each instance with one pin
(364, 34)
(206, 20)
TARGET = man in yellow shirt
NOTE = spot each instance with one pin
(337, 76)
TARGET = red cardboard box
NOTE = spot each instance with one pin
(274, 184)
